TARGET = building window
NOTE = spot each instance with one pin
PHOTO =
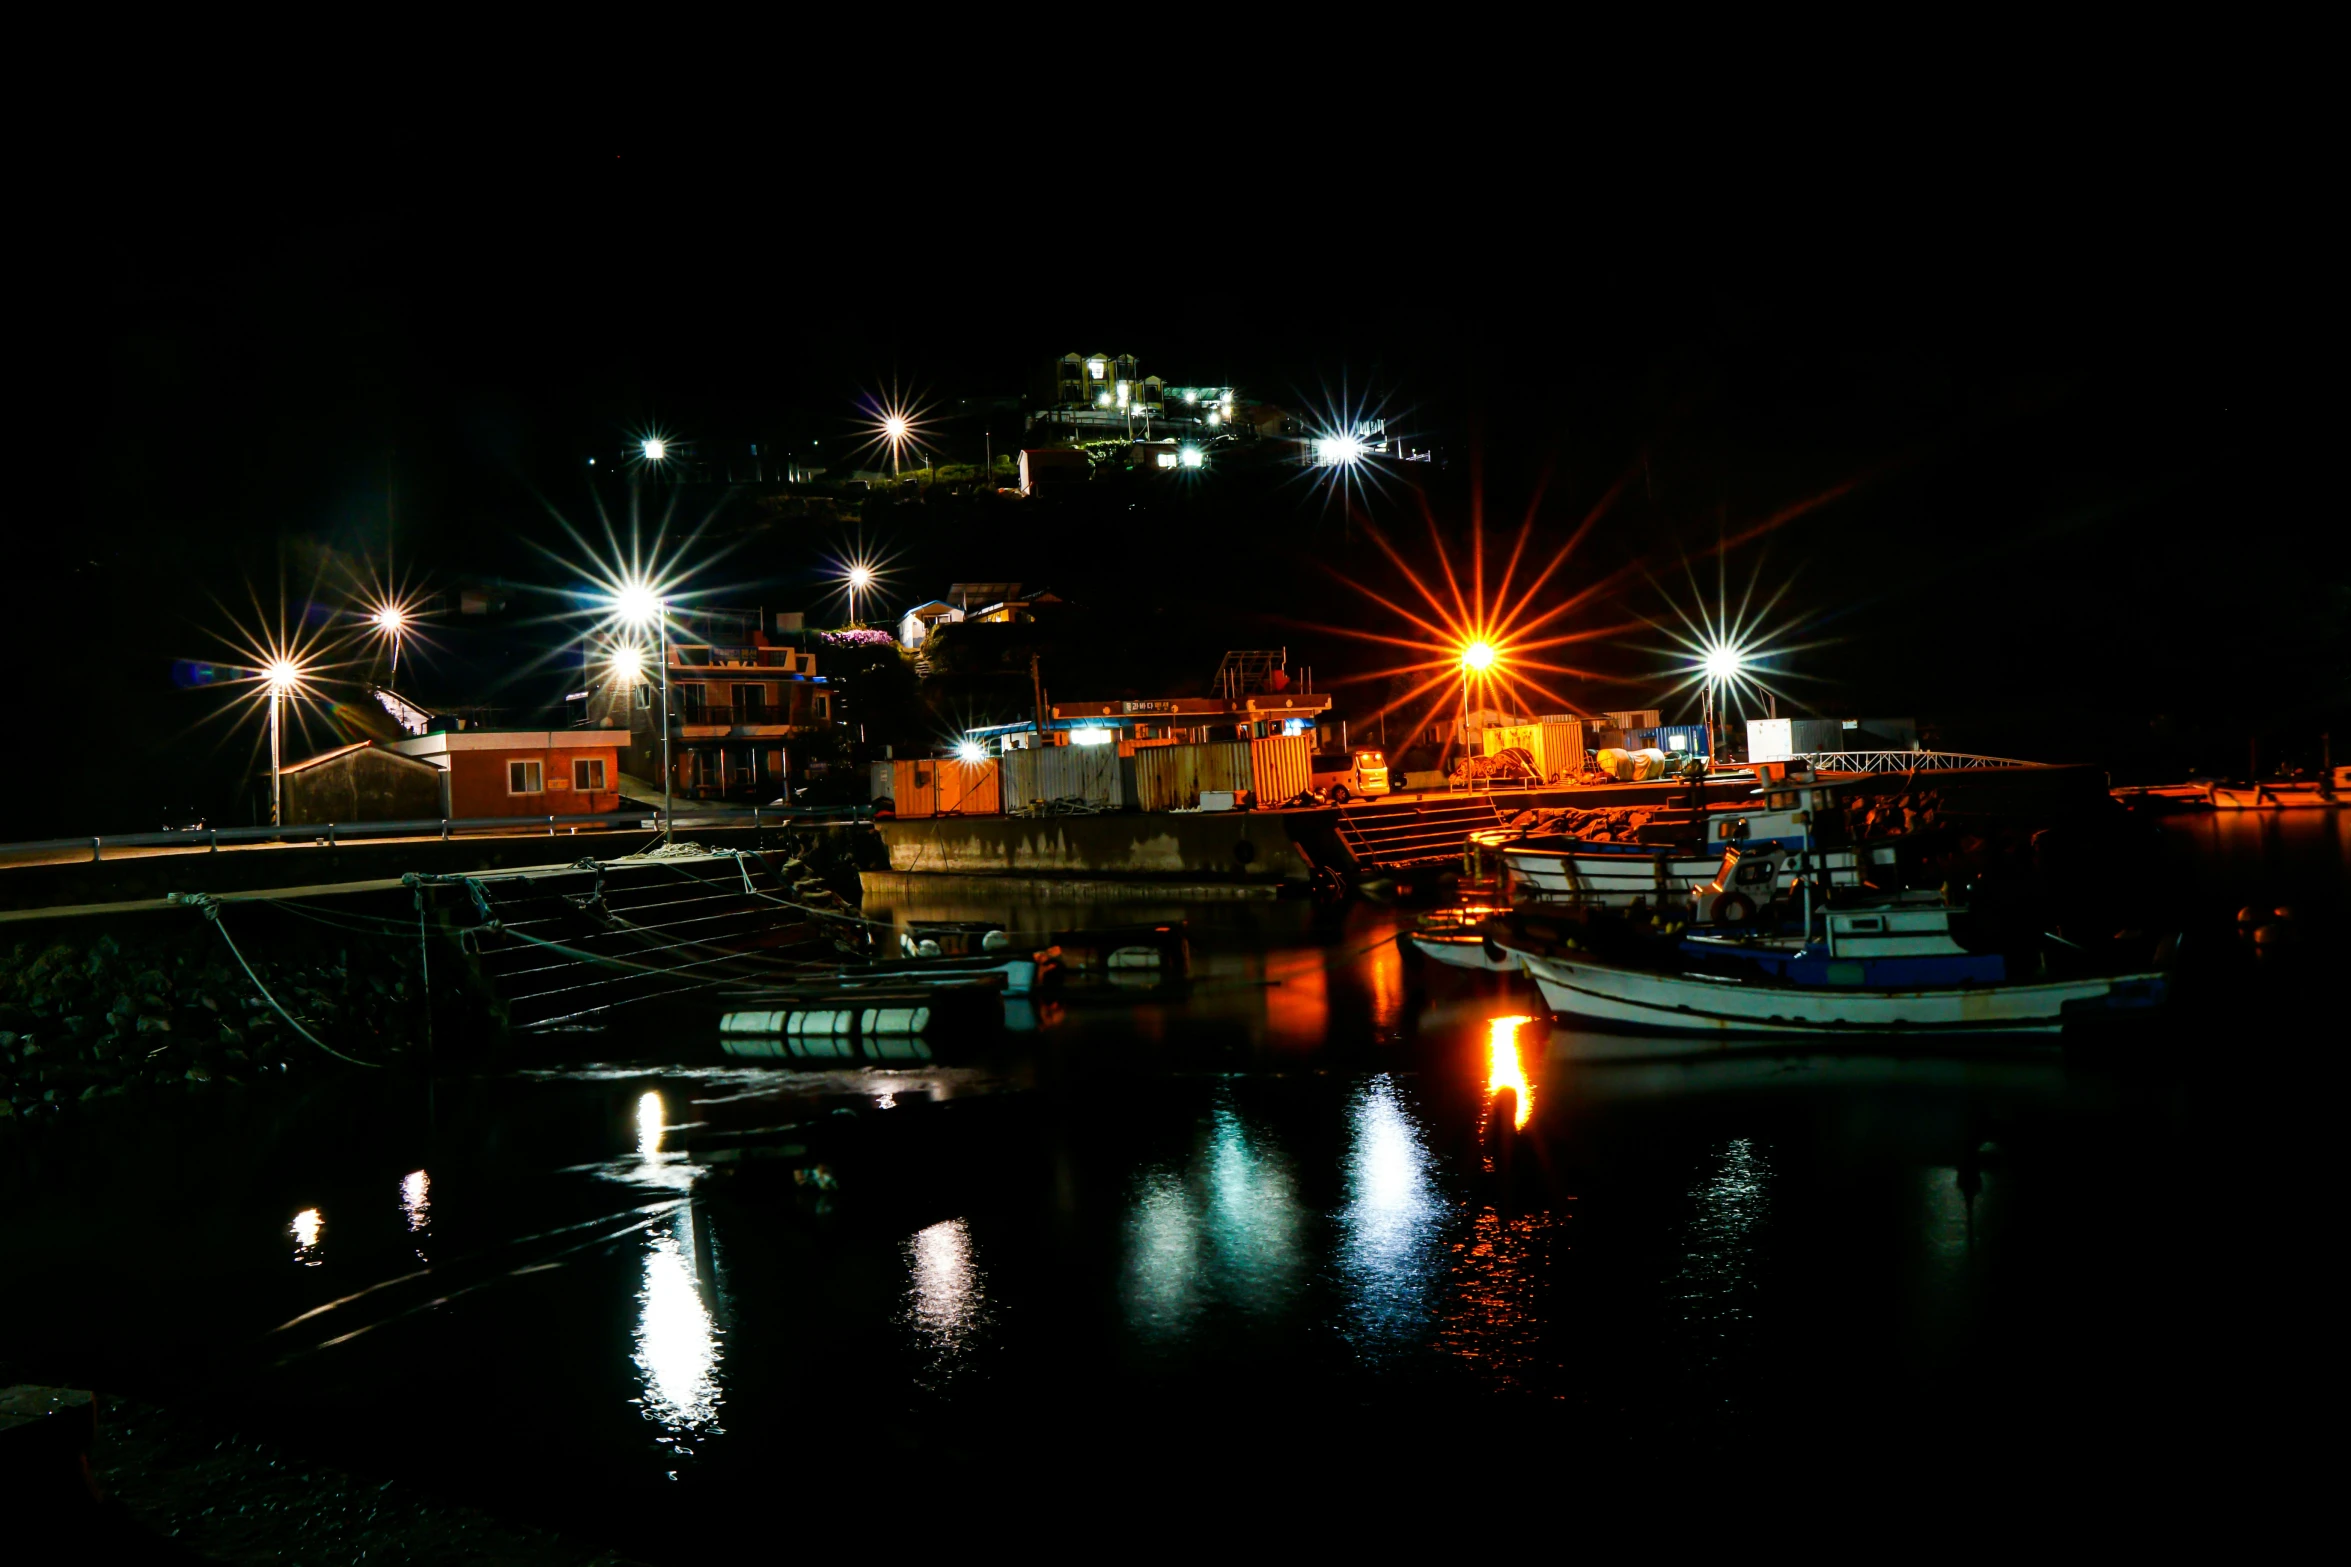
(750, 704)
(523, 778)
(1096, 368)
(690, 700)
(587, 772)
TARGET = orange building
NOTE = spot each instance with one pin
(523, 772)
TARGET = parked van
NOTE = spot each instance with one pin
(1350, 775)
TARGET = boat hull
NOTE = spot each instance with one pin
(1476, 954)
(1614, 997)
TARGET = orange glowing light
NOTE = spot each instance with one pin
(1502, 1065)
(1478, 639)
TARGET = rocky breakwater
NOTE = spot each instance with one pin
(156, 1007)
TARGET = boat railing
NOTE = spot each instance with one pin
(47, 851)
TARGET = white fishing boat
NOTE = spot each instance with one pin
(1888, 968)
(1617, 875)
(1456, 938)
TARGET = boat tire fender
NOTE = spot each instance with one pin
(1732, 908)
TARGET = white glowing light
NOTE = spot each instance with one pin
(1723, 663)
(1103, 400)
(677, 1341)
(307, 1227)
(1092, 736)
(1192, 457)
(637, 603)
(627, 664)
(1478, 655)
(894, 427)
(650, 1122)
(1212, 417)
(655, 449)
(971, 751)
(1339, 450)
(1191, 395)
(416, 1199)
(861, 577)
(391, 619)
(283, 675)
(946, 1296)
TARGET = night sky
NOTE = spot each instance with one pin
(2061, 427)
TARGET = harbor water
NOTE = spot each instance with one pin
(1262, 1230)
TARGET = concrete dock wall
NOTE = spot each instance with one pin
(1234, 846)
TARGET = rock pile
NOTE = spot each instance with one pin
(151, 1009)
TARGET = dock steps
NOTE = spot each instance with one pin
(1387, 836)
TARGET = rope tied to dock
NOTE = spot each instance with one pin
(209, 906)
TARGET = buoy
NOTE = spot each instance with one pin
(995, 941)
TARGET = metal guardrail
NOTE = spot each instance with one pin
(1904, 761)
(329, 834)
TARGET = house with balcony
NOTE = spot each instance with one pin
(736, 698)
(1102, 390)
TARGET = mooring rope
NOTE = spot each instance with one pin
(210, 906)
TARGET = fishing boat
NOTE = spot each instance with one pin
(1885, 966)
(1618, 875)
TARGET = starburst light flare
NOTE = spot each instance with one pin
(1730, 655)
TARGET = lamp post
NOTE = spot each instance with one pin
(894, 431)
(1476, 659)
(282, 676)
(1722, 666)
(392, 620)
(860, 578)
(637, 604)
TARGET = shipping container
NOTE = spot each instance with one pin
(1095, 774)
(1170, 777)
(1281, 767)
(929, 787)
(1556, 744)
(1640, 718)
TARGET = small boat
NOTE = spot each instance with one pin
(1457, 938)
(953, 951)
(1889, 966)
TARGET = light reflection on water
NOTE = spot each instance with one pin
(655, 1166)
(416, 1205)
(946, 1294)
(1390, 1229)
(1225, 1236)
(1503, 1068)
(308, 1227)
(1493, 1317)
(677, 1339)
(1715, 1286)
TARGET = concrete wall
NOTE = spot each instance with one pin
(366, 785)
(477, 782)
(1211, 845)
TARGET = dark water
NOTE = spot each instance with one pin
(1251, 1233)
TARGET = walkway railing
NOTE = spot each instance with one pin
(329, 834)
(1904, 761)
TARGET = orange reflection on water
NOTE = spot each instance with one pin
(1502, 1064)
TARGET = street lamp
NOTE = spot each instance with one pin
(894, 428)
(1476, 658)
(392, 621)
(654, 448)
(1720, 666)
(860, 578)
(637, 604)
(283, 676)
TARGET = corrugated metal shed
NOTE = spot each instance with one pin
(925, 787)
(1095, 774)
(1170, 777)
(1276, 769)
(1281, 767)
